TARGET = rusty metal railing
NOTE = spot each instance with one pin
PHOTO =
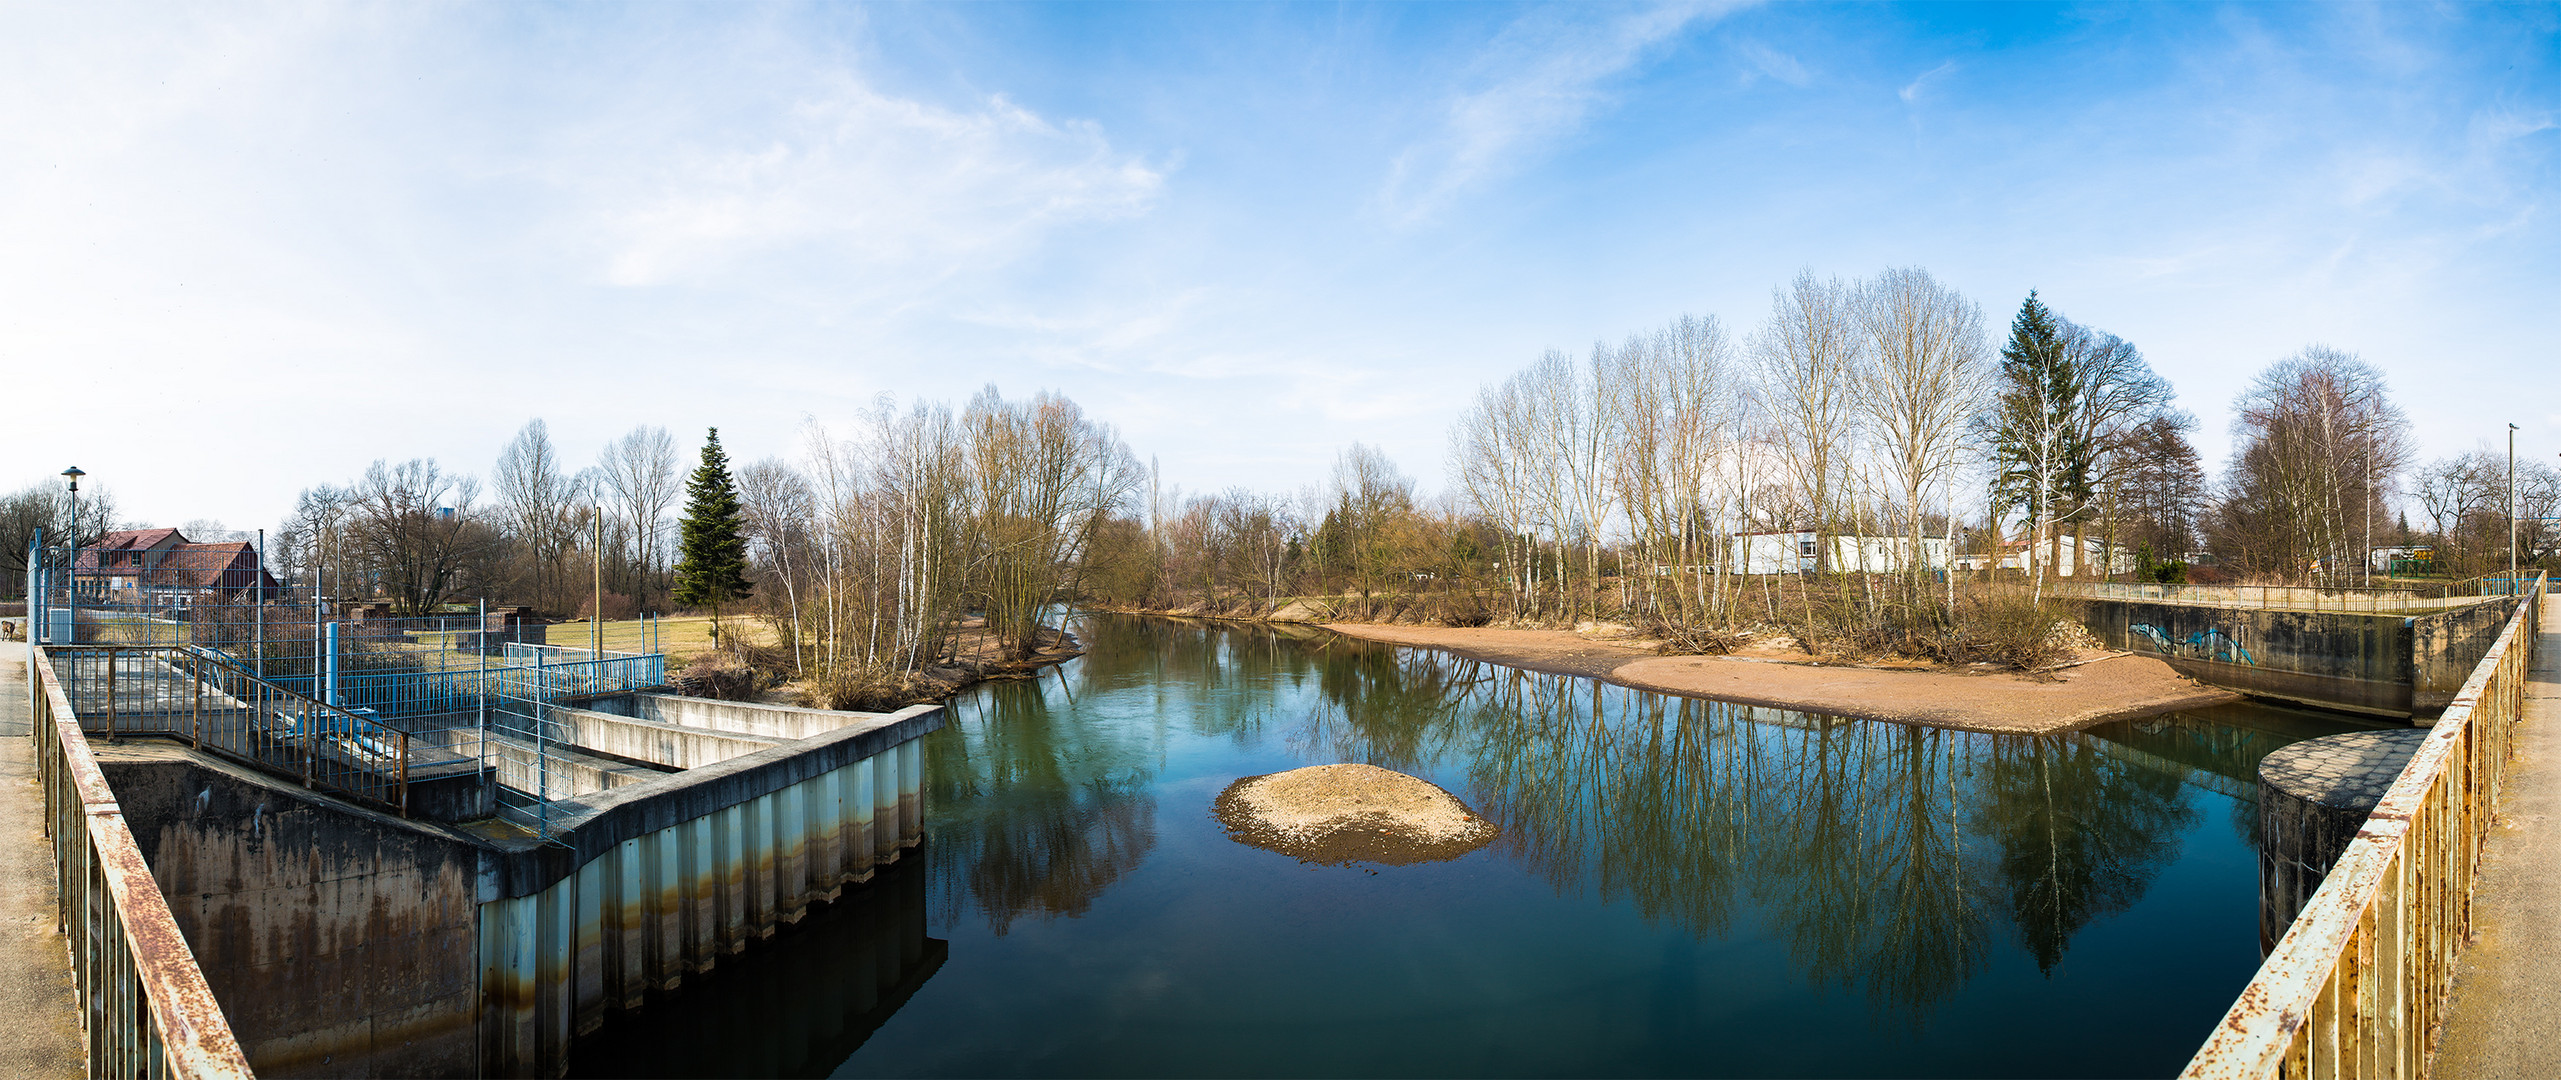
(2356, 985)
(202, 696)
(144, 1002)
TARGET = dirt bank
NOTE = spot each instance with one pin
(2003, 702)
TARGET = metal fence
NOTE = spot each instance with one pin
(210, 701)
(334, 694)
(2356, 985)
(145, 1003)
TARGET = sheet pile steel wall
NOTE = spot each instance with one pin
(670, 875)
(2356, 985)
(143, 1001)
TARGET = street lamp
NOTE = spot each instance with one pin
(74, 474)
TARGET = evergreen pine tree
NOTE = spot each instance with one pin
(2036, 445)
(712, 568)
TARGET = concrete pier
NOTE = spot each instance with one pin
(42, 1036)
(2505, 1015)
(2313, 797)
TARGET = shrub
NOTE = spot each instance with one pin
(718, 676)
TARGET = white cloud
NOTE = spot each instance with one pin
(1771, 63)
(1536, 82)
(883, 186)
(1911, 91)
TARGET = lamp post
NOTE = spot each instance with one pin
(74, 474)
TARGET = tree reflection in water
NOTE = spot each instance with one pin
(1883, 857)
(1851, 836)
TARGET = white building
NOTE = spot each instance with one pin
(2014, 556)
(1797, 553)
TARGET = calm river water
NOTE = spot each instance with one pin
(1682, 888)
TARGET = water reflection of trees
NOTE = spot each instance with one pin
(1037, 817)
(1884, 858)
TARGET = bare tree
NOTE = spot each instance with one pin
(538, 506)
(1810, 352)
(1371, 499)
(417, 531)
(1924, 386)
(1042, 479)
(2318, 439)
(640, 471)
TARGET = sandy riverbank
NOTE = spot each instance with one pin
(2004, 702)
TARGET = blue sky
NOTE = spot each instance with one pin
(246, 249)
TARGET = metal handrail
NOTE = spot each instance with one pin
(233, 713)
(144, 1001)
(2356, 985)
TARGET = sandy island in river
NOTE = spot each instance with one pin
(2108, 687)
(1344, 814)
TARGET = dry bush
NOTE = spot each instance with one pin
(718, 676)
(1461, 609)
(1696, 640)
(871, 689)
(2009, 626)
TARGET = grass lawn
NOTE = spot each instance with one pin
(681, 637)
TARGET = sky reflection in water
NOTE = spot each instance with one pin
(1682, 887)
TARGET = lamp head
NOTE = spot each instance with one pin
(73, 474)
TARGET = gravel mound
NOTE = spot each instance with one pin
(1343, 814)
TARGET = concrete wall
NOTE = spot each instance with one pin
(348, 943)
(735, 717)
(672, 745)
(2445, 648)
(339, 941)
(2395, 665)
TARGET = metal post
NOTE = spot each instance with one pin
(2512, 508)
(597, 623)
(542, 753)
(480, 688)
(329, 689)
(317, 582)
(258, 607)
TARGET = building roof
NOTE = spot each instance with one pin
(166, 559)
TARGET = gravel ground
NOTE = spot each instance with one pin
(1344, 814)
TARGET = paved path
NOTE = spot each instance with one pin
(39, 1016)
(2505, 1019)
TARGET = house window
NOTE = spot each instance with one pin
(1805, 547)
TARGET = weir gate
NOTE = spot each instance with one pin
(459, 879)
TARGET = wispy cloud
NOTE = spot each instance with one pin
(1912, 91)
(871, 182)
(1771, 63)
(1538, 81)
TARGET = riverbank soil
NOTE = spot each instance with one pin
(2505, 1016)
(2099, 687)
(43, 1035)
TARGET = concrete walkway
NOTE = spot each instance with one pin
(41, 1034)
(2505, 1019)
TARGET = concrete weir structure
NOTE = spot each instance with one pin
(2382, 653)
(345, 940)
